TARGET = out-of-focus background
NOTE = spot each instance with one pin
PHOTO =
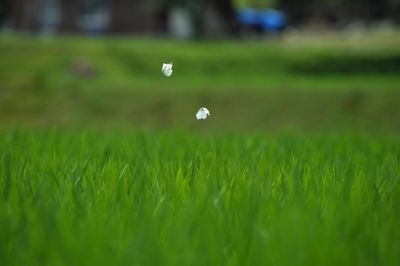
(266, 64)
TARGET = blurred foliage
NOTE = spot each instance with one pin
(294, 61)
(255, 3)
(298, 81)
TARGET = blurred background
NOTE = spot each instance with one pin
(189, 18)
(256, 64)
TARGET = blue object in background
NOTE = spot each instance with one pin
(247, 16)
(269, 20)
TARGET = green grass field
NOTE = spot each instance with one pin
(327, 62)
(324, 83)
(174, 198)
(103, 163)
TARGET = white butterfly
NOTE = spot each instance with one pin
(202, 113)
(166, 69)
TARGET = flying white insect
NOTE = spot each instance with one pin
(166, 69)
(202, 113)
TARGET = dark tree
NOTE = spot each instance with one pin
(70, 10)
(138, 16)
